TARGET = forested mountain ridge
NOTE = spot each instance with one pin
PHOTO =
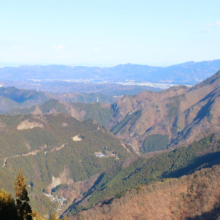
(12, 97)
(194, 197)
(53, 150)
(113, 183)
(101, 112)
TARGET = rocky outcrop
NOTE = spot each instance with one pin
(64, 178)
(29, 125)
(76, 138)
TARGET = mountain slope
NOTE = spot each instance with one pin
(116, 180)
(102, 113)
(55, 149)
(195, 196)
(182, 114)
(12, 97)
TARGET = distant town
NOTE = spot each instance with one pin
(60, 200)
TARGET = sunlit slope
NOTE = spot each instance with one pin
(194, 196)
(178, 115)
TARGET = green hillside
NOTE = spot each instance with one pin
(48, 149)
(88, 97)
(52, 105)
(155, 142)
(93, 111)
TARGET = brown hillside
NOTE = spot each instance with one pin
(181, 113)
(195, 196)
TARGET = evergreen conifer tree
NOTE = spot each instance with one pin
(8, 209)
(22, 199)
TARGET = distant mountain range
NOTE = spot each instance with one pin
(149, 121)
(185, 73)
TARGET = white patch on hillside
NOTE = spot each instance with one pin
(64, 178)
(77, 138)
(29, 125)
(64, 124)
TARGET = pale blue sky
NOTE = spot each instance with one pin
(109, 32)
